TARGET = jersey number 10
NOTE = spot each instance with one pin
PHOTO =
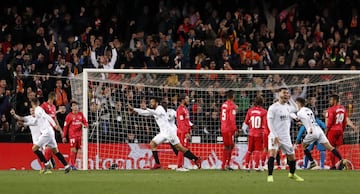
(255, 122)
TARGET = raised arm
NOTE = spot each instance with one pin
(30, 121)
(93, 58)
(113, 58)
(143, 112)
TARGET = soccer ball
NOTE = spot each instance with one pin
(347, 165)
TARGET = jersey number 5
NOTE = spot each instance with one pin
(223, 114)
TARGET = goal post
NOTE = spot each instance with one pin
(116, 138)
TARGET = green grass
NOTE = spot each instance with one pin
(172, 182)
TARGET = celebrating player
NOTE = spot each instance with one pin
(336, 118)
(74, 122)
(255, 120)
(167, 132)
(184, 127)
(279, 122)
(314, 132)
(30, 121)
(319, 146)
(45, 124)
(228, 128)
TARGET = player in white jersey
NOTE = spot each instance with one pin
(313, 132)
(28, 121)
(44, 124)
(167, 132)
(279, 122)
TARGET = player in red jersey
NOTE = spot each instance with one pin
(183, 127)
(50, 109)
(255, 120)
(336, 118)
(73, 125)
(228, 128)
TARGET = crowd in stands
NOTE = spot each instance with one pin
(43, 47)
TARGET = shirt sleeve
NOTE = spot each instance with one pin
(270, 119)
(84, 121)
(329, 119)
(93, 59)
(29, 121)
(66, 125)
(293, 106)
(232, 118)
(143, 112)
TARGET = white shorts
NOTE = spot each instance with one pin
(311, 138)
(162, 137)
(285, 145)
(46, 140)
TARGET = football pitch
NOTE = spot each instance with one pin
(172, 182)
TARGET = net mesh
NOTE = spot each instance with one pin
(118, 138)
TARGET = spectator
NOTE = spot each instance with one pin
(61, 95)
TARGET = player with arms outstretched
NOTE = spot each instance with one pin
(279, 122)
(167, 132)
(228, 128)
(255, 121)
(74, 122)
(30, 121)
(45, 124)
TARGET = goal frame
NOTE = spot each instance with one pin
(86, 72)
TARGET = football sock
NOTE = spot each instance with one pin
(190, 155)
(61, 158)
(224, 158)
(292, 165)
(228, 157)
(40, 155)
(306, 161)
(156, 157)
(47, 153)
(336, 153)
(247, 159)
(257, 158)
(72, 160)
(180, 159)
(271, 165)
(332, 159)
(278, 162)
(174, 149)
(322, 159)
(308, 154)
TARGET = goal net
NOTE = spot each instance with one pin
(118, 139)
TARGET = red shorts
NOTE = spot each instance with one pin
(335, 137)
(75, 142)
(228, 138)
(255, 143)
(183, 139)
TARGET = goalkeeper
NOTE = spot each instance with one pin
(319, 146)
